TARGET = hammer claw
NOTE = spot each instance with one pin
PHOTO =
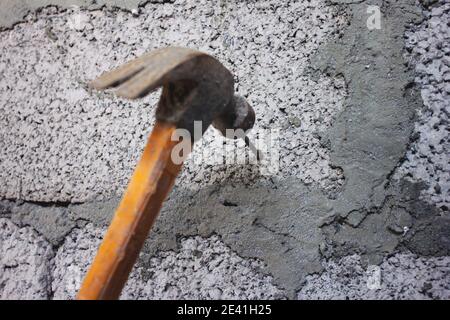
(116, 77)
(145, 81)
(144, 74)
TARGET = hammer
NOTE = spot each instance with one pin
(196, 87)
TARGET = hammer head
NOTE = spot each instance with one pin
(196, 87)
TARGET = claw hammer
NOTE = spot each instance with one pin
(196, 87)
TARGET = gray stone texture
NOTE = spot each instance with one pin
(427, 160)
(363, 149)
(25, 263)
(63, 142)
(402, 276)
(203, 268)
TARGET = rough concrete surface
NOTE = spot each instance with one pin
(428, 47)
(14, 11)
(201, 269)
(362, 147)
(25, 263)
(402, 276)
(82, 145)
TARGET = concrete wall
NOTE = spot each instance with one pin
(358, 116)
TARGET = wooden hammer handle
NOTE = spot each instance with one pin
(152, 180)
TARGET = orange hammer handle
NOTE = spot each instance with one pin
(152, 180)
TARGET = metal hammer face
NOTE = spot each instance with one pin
(196, 87)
